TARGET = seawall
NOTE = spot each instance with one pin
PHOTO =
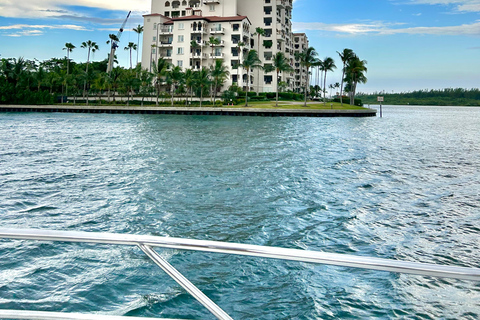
(193, 111)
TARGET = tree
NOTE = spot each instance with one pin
(202, 81)
(131, 46)
(219, 74)
(69, 47)
(189, 83)
(260, 32)
(160, 71)
(328, 64)
(250, 62)
(91, 46)
(346, 55)
(175, 76)
(138, 30)
(280, 63)
(356, 69)
(240, 44)
(308, 58)
(194, 46)
(212, 41)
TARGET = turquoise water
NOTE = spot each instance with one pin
(402, 187)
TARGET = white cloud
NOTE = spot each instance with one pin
(460, 5)
(25, 30)
(380, 28)
(52, 8)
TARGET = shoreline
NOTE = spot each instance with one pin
(193, 111)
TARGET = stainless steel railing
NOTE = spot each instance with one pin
(147, 243)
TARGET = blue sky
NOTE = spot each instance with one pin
(409, 44)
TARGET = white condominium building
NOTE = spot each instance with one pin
(181, 31)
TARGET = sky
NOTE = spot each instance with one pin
(408, 44)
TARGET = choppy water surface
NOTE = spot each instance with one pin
(402, 187)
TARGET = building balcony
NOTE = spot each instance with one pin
(217, 30)
(220, 44)
(165, 44)
(199, 55)
(217, 55)
(165, 30)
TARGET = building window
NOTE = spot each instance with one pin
(180, 38)
(180, 63)
(181, 26)
(212, 7)
(153, 50)
(154, 38)
(179, 50)
(167, 13)
(155, 26)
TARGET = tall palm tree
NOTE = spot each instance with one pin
(212, 41)
(346, 55)
(69, 47)
(318, 64)
(356, 70)
(202, 81)
(175, 76)
(194, 46)
(138, 30)
(250, 62)
(189, 83)
(308, 58)
(260, 32)
(240, 44)
(328, 64)
(131, 46)
(91, 46)
(160, 70)
(219, 74)
(281, 64)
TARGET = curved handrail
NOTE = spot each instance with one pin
(425, 269)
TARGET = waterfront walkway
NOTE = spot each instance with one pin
(227, 111)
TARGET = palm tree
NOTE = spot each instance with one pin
(240, 44)
(113, 45)
(319, 66)
(356, 69)
(131, 46)
(280, 64)
(260, 32)
(194, 46)
(175, 75)
(213, 42)
(189, 83)
(160, 70)
(92, 47)
(202, 81)
(138, 30)
(219, 74)
(69, 47)
(250, 61)
(346, 55)
(308, 58)
(328, 64)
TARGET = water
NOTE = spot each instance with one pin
(402, 187)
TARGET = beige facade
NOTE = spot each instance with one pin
(172, 26)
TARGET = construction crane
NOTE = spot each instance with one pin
(113, 41)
